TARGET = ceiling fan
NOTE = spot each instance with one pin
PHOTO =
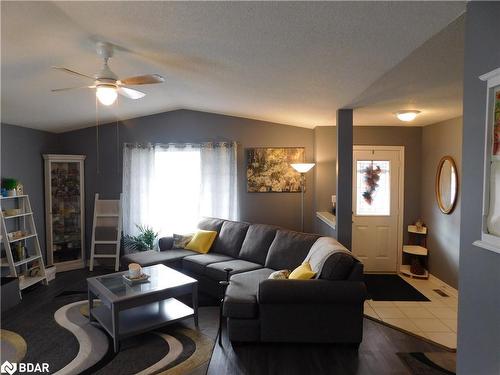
(107, 85)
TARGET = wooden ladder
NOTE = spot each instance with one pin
(107, 219)
(22, 222)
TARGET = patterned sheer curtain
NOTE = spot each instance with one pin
(138, 172)
(219, 190)
(169, 187)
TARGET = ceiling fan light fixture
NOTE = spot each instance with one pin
(106, 94)
(407, 115)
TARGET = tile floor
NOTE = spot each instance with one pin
(435, 320)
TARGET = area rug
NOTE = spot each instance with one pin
(391, 288)
(432, 363)
(61, 335)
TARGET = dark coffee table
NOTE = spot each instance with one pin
(130, 310)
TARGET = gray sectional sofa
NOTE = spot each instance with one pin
(326, 309)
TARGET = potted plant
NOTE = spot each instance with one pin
(10, 184)
(145, 240)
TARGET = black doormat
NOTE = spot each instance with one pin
(391, 288)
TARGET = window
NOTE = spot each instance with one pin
(169, 187)
(373, 193)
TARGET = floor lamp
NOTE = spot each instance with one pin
(302, 168)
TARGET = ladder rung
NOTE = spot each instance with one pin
(105, 255)
(18, 215)
(106, 242)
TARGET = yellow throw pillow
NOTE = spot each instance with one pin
(302, 272)
(202, 241)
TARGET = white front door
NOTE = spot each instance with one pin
(377, 193)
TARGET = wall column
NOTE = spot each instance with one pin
(344, 177)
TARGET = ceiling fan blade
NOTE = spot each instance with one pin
(73, 88)
(130, 93)
(66, 70)
(143, 80)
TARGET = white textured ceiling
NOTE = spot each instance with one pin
(288, 62)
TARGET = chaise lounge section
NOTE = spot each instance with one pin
(326, 309)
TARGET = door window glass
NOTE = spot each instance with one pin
(373, 195)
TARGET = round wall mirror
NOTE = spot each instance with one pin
(446, 184)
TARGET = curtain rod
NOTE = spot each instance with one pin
(149, 144)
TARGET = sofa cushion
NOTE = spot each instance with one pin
(289, 249)
(337, 266)
(216, 270)
(230, 238)
(166, 243)
(197, 263)
(257, 242)
(152, 257)
(241, 294)
(209, 223)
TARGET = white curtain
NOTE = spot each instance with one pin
(169, 187)
(219, 190)
(138, 172)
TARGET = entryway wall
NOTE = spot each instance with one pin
(443, 240)
(325, 172)
(420, 169)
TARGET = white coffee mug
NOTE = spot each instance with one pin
(134, 270)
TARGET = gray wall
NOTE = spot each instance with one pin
(22, 150)
(443, 240)
(325, 176)
(479, 269)
(411, 139)
(192, 126)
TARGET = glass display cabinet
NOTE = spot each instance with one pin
(64, 211)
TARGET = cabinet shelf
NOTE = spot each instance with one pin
(414, 229)
(405, 270)
(415, 250)
(14, 197)
(22, 238)
(29, 281)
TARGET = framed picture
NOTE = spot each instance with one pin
(490, 233)
(269, 170)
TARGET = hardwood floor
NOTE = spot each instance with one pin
(376, 355)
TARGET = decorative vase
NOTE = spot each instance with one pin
(11, 193)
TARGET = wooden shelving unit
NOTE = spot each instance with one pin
(22, 264)
(417, 249)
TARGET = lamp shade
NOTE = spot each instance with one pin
(106, 94)
(302, 167)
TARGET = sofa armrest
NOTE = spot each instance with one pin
(166, 243)
(311, 291)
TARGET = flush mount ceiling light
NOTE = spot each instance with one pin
(407, 115)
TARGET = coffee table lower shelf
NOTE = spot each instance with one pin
(143, 318)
